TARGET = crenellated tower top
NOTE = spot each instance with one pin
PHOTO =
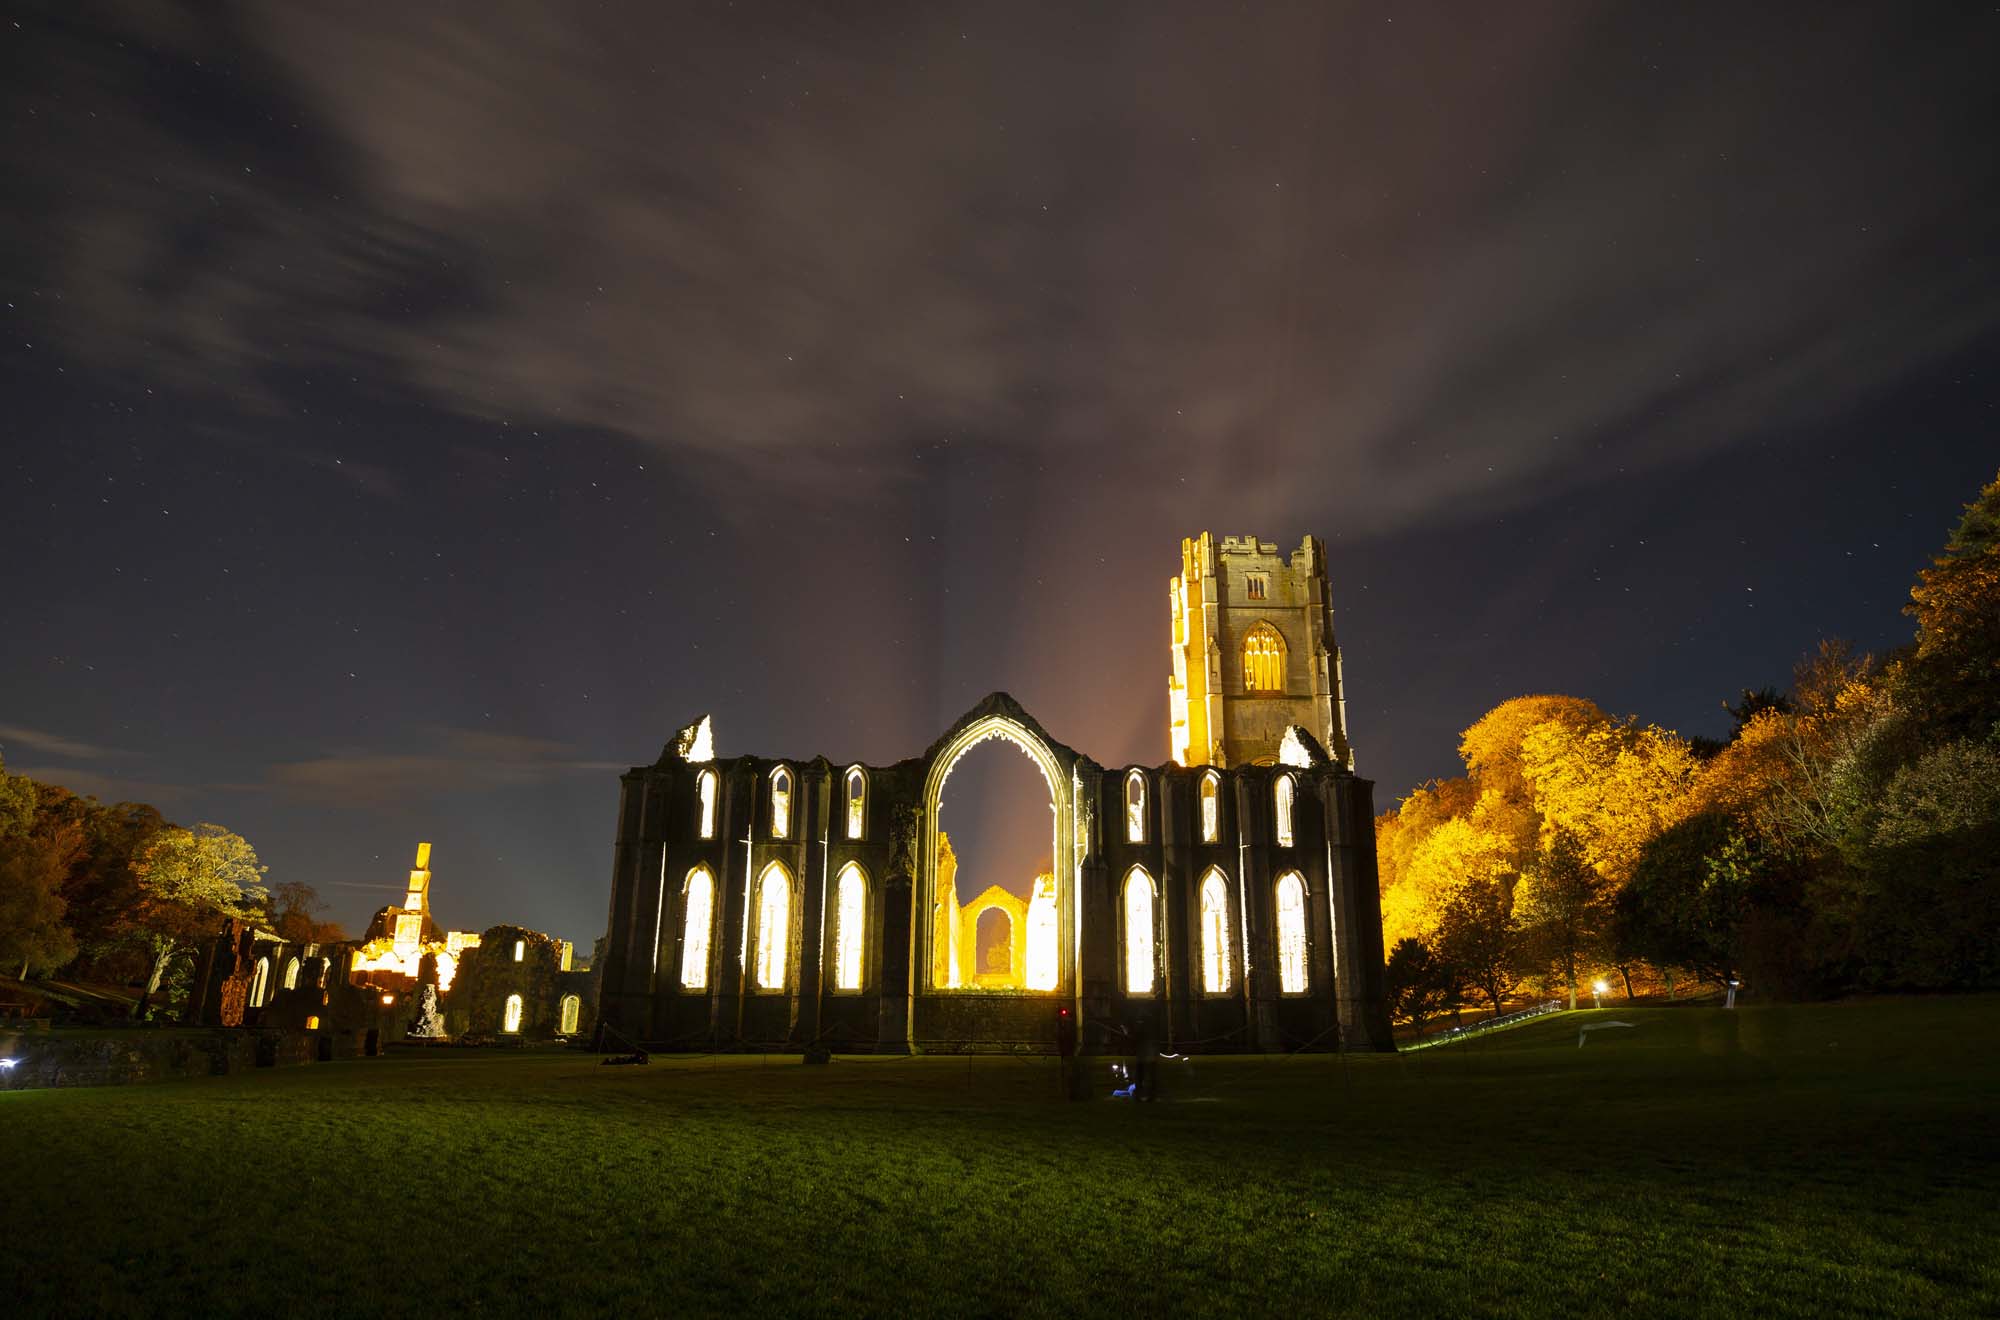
(1253, 651)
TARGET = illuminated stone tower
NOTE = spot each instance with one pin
(1254, 652)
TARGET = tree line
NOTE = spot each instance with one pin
(1844, 837)
(120, 895)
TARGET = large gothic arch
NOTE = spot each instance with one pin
(691, 812)
(999, 717)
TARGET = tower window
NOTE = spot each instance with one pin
(1256, 586)
(1263, 660)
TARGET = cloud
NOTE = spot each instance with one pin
(54, 744)
(1471, 259)
(459, 761)
(105, 787)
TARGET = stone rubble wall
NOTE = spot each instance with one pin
(115, 1058)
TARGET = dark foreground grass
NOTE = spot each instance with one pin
(1819, 1161)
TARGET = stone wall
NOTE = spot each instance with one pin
(659, 990)
(114, 1058)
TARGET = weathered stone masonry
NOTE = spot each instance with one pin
(651, 994)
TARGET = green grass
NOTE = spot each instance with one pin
(1818, 1161)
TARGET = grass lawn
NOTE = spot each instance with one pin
(1814, 1161)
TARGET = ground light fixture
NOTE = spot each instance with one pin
(8, 1064)
(1598, 989)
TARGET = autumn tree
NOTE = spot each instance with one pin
(1564, 909)
(1928, 901)
(33, 934)
(190, 881)
(294, 906)
(1752, 704)
(1415, 870)
(1955, 673)
(1613, 785)
(98, 884)
(1494, 752)
(1420, 984)
(1479, 940)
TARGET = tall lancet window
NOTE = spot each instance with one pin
(781, 803)
(1138, 932)
(1211, 807)
(1214, 933)
(850, 925)
(857, 802)
(774, 927)
(1135, 807)
(705, 790)
(1292, 978)
(1263, 660)
(1042, 953)
(697, 919)
(1282, 794)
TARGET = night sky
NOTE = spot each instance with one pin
(410, 420)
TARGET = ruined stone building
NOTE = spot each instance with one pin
(1223, 901)
(505, 982)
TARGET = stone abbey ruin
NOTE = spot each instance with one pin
(1223, 901)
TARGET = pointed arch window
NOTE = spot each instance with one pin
(857, 801)
(697, 921)
(705, 786)
(774, 927)
(512, 1021)
(260, 981)
(292, 974)
(850, 927)
(1283, 793)
(1138, 907)
(1211, 807)
(572, 1007)
(1040, 956)
(1292, 974)
(781, 803)
(1263, 660)
(1214, 933)
(1135, 807)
